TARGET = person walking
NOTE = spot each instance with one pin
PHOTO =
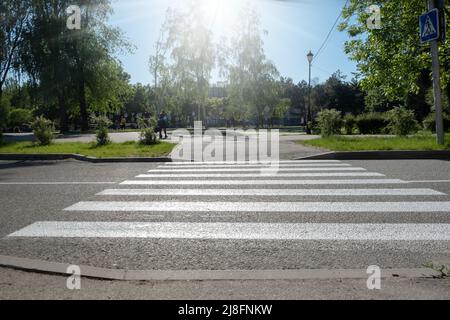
(162, 124)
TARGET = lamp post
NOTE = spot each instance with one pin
(310, 57)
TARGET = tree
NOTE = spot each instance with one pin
(391, 60)
(250, 75)
(74, 69)
(338, 94)
(4, 113)
(189, 42)
(92, 49)
(159, 68)
(139, 101)
(14, 15)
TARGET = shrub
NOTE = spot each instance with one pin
(19, 117)
(43, 130)
(430, 123)
(329, 121)
(148, 135)
(371, 123)
(402, 121)
(102, 124)
(349, 124)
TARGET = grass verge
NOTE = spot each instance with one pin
(418, 142)
(112, 150)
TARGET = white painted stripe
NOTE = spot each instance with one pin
(430, 181)
(251, 162)
(262, 182)
(168, 206)
(258, 169)
(53, 183)
(238, 231)
(262, 175)
(270, 192)
(300, 165)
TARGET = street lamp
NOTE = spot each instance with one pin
(310, 57)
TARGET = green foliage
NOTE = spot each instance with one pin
(338, 93)
(19, 117)
(4, 112)
(74, 70)
(349, 124)
(43, 130)
(148, 135)
(111, 150)
(430, 122)
(393, 66)
(370, 143)
(101, 134)
(330, 122)
(401, 121)
(371, 123)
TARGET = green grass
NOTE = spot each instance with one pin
(417, 142)
(112, 150)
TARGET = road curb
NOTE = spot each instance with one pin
(32, 265)
(382, 155)
(56, 157)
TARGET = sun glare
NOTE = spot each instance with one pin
(221, 14)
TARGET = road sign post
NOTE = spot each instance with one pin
(429, 32)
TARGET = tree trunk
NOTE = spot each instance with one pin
(83, 106)
(63, 120)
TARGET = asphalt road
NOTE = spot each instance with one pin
(397, 218)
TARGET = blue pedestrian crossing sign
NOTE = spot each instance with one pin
(429, 26)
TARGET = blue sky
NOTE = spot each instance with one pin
(294, 28)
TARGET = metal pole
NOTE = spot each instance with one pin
(437, 84)
(308, 117)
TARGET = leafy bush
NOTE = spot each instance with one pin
(402, 121)
(43, 130)
(430, 123)
(148, 135)
(102, 124)
(329, 121)
(371, 123)
(349, 124)
(314, 126)
(19, 117)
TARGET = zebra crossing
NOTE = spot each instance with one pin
(201, 188)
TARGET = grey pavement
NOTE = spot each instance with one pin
(25, 285)
(33, 193)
